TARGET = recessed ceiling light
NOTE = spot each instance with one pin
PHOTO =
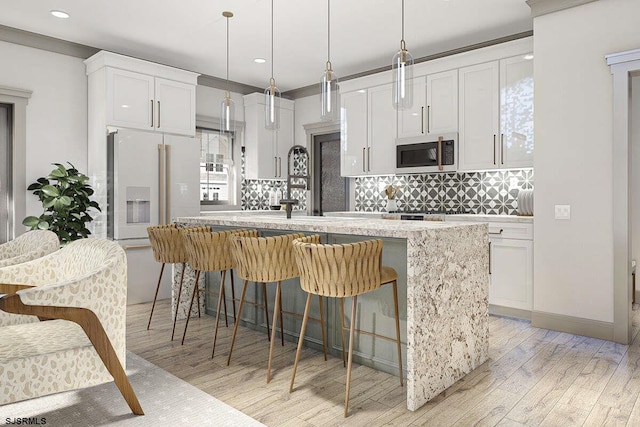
(60, 14)
(528, 57)
(259, 60)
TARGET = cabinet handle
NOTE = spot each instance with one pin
(369, 159)
(489, 257)
(428, 118)
(152, 113)
(496, 234)
(275, 167)
(440, 153)
(421, 119)
(494, 148)
(162, 173)
(280, 167)
(158, 114)
(364, 162)
(502, 148)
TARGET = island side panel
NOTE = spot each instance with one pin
(447, 309)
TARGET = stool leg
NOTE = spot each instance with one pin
(220, 298)
(300, 340)
(281, 321)
(344, 361)
(223, 275)
(354, 303)
(198, 298)
(155, 297)
(395, 301)
(193, 295)
(266, 309)
(233, 295)
(324, 339)
(235, 328)
(175, 319)
(275, 326)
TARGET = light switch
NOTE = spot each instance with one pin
(563, 212)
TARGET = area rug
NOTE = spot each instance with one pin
(165, 399)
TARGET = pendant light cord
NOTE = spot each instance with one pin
(227, 55)
(403, 20)
(272, 39)
(329, 31)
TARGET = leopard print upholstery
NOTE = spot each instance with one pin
(88, 273)
(31, 245)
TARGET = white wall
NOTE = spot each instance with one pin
(573, 272)
(57, 110)
(635, 169)
(208, 101)
(307, 111)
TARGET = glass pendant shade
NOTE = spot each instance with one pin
(272, 106)
(227, 114)
(402, 68)
(329, 95)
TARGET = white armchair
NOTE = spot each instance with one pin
(29, 246)
(83, 288)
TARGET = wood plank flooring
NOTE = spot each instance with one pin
(533, 377)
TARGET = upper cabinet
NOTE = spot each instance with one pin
(368, 130)
(142, 95)
(266, 150)
(435, 106)
(496, 114)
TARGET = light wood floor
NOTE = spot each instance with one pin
(533, 377)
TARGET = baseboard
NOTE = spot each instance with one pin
(573, 325)
(517, 313)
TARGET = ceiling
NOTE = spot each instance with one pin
(190, 34)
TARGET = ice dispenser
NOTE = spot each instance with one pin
(138, 205)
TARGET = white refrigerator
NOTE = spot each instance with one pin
(152, 178)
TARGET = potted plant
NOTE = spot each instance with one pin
(65, 197)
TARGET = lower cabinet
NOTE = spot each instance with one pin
(511, 273)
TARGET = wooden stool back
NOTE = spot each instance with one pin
(338, 270)
(167, 243)
(265, 259)
(210, 251)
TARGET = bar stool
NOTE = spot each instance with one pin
(209, 251)
(343, 271)
(266, 260)
(168, 248)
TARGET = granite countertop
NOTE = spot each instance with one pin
(319, 224)
(455, 217)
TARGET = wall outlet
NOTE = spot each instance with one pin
(563, 211)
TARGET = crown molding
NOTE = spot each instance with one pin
(543, 7)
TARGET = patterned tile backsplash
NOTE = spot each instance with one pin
(492, 192)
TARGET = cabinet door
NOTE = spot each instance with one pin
(284, 141)
(516, 112)
(353, 132)
(442, 102)
(479, 105)
(381, 151)
(175, 105)
(130, 99)
(511, 282)
(411, 122)
(261, 162)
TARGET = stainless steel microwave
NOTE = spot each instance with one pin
(427, 154)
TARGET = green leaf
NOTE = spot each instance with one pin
(51, 191)
(66, 200)
(43, 225)
(30, 221)
(48, 202)
(34, 186)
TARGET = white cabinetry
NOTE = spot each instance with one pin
(266, 150)
(143, 95)
(496, 114)
(368, 129)
(435, 106)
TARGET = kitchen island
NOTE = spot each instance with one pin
(442, 269)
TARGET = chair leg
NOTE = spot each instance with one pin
(235, 328)
(281, 321)
(223, 275)
(175, 319)
(198, 298)
(395, 301)
(266, 309)
(354, 303)
(220, 299)
(300, 340)
(193, 295)
(155, 297)
(273, 329)
(344, 361)
(324, 339)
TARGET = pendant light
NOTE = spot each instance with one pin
(227, 107)
(329, 83)
(402, 68)
(272, 93)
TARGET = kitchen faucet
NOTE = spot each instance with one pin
(289, 202)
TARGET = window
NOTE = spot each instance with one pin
(217, 177)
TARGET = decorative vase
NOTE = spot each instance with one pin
(391, 205)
